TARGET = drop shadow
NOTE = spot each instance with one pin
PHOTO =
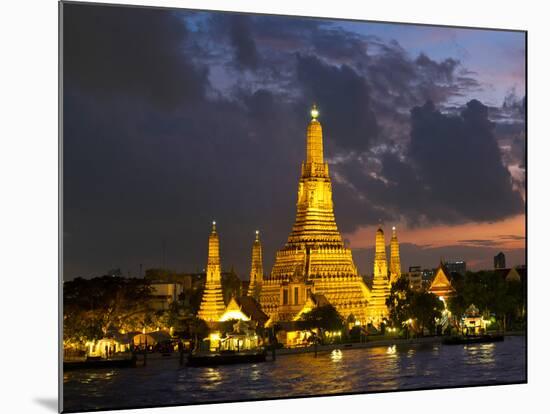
(49, 403)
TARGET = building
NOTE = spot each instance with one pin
(246, 309)
(472, 323)
(378, 310)
(457, 266)
(314, 259)
(427, 277)
(163, 294)
(441, 285)
(256, 269)
(500, 261)
(212, 304)
(415, 277)
(395, 261)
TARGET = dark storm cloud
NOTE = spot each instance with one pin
(132, 51)
(344, 100)
(459, 161)
(340, 46)
(452, 172)
(246, 54)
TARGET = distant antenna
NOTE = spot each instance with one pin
(164, 254)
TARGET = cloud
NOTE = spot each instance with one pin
(477, 257)
(135, 52)
(344, 100)
(458, 159)
(154, 151)
(246, 54)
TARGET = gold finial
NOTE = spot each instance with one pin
(257, 235)
(214, 226)
(393, 228)
(314, 112)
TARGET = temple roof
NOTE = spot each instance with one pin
(251, 308)
(441, 284)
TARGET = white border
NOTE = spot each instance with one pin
(29, 208)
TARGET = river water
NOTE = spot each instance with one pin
(164, 382)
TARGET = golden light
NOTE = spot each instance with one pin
(336, 355)
(314, 112)
(234, 314)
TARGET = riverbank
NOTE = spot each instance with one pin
(371, 343)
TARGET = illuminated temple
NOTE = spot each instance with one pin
(314, 260)
(212, 304)
(377, 309)
(395, 261)
(256, 269)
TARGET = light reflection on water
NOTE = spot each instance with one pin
(353, 370)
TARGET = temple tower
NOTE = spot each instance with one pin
(377, 309)
(256, 269)
(395, 261)
(314, 259)
(212, 304)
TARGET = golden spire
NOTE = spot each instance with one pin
(314, 112)
(395, 261)
(212, 304)
(256, 268)
(314, 147)
(314, 256)
(377, 309)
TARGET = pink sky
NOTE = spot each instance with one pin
(505, 234)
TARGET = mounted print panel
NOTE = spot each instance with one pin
(263, 206)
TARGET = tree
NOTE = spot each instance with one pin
(325, 318)
(425, 308)
(93, 308)
(399, 302)
(491, 294)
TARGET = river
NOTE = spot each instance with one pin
(402, 367)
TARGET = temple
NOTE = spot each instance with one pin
(441, 285)
(378, 310)
(212, 305)
(256, 269)
(314, 259)
(395, 261)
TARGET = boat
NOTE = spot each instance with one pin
(96, 362)
(477, 339)
(208, 359)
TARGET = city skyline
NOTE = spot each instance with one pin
(204, 120)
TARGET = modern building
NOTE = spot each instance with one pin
(163, 294)
(212, 304)
(427, 277)
(314, 259)
(415, 277)
(500, 261)
(457, 266)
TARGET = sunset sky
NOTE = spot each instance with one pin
(173, 118)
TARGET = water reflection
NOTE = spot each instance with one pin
(336, 355)
(340, 371)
